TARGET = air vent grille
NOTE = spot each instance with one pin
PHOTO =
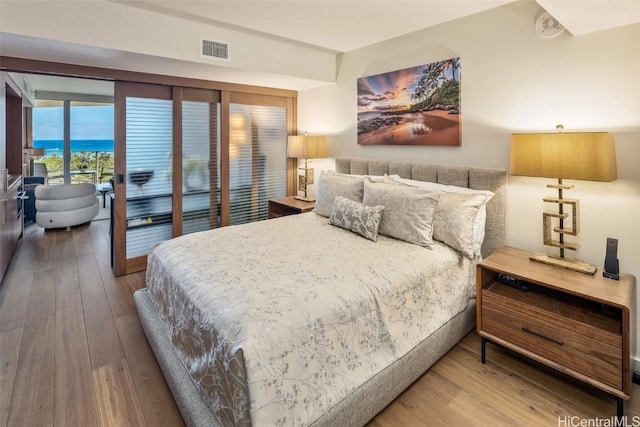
(213, 49)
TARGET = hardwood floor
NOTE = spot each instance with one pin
(73, 353)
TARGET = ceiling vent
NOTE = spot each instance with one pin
(213, 49)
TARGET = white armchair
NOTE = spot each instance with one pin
(65, 205)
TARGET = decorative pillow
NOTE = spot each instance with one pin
(356, 217)
(331, 185)
(449, 220)
(408, 212)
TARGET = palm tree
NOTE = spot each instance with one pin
(454, 63)
(429, 80)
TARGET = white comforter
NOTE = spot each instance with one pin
(278, 320)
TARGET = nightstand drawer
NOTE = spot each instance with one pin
(591, 349)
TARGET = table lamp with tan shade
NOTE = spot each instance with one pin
(306, 147)
(589, 156)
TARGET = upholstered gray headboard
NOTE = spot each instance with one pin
(478, 178)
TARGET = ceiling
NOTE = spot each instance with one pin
(343, 25)
(335, 25)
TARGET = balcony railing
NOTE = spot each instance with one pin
(86, 166)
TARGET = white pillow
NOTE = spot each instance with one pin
(441, 187)
(372, 178)
(408, 212)
(459, 223)
(330, 185)
(460, 217)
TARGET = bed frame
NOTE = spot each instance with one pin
(370, 398)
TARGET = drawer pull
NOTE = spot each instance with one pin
(555, 340)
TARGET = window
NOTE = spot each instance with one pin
(77, 137)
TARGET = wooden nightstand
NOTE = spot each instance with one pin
(579, 324)
(288, 206)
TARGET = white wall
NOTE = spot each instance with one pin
(514, 81)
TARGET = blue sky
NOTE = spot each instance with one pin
(87, 122)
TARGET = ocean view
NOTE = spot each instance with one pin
(56, 146)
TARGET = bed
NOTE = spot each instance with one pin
(301, 321)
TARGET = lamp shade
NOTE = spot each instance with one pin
(589, 156)
(307, 147)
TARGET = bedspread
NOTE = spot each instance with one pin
(277, 321)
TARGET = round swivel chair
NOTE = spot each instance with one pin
(65, 205)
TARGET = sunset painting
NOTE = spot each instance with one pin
(414, 106)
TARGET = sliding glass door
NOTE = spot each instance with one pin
(190, 160)
(257, 156)
(166, 181)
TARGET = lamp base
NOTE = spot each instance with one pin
(304, 199)
(566, 263)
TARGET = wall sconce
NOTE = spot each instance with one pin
(589, 156)
(306, 147)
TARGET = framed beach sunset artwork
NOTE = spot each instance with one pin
(414, 106)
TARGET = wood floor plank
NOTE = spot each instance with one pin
(32, 399)
(155, 399)
(585, 399)
(529, 383)
(26, 253)
(116, 288)
(135, 281)
(118, 292)
(9, 352)
(470, 407)
(532, 407)
(88, 274)
(82, 240)
(102, 336)
(44, 255)
(116, 398)
(42, 298)
(67, 286)
(74, 403)
(14, 293)
(417, 407)
(400, 415)
(101, 244)
(65, 251)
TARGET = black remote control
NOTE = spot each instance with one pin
(513, 282)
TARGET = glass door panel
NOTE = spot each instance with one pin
(257, 160)
(200, 180)
(149, 148)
